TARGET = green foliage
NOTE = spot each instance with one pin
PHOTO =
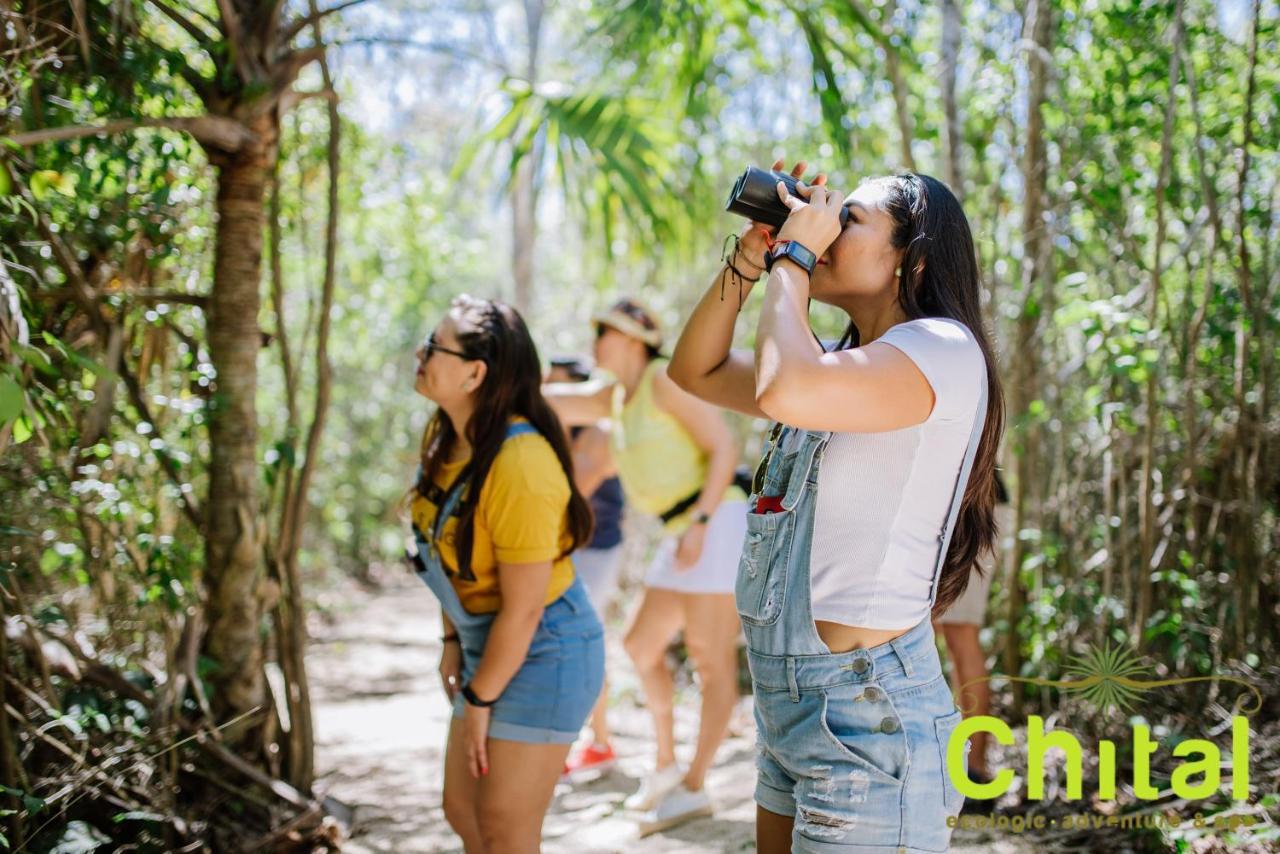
(661, 106)
(609, 152)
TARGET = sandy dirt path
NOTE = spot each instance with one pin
(381, 720)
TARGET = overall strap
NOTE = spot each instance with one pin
(766, 468)
(813, 443)
(957, 494)
(519, 428)
(451, 501)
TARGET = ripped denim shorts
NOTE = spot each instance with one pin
(853, 745)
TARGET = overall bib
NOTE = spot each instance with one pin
(550, 697)
(853, 745)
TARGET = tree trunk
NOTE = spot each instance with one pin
(524, 193)
(301, 767)
(1035, 273)
(1251, 428)
(894, 67)
(1147, 506)
(950, 59)
(523, 211)
(233, 544)
(10, 764)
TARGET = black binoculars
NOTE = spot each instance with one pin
(755, 196)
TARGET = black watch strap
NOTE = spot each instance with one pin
(797, 252)
(470, 697)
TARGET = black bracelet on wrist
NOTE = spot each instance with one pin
(743, 275)
(738, 251)
(453, 638)
(728, 257)
(470, 697)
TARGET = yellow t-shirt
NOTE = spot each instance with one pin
(520, 519)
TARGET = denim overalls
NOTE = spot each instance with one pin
(550, 697)
(853, 745)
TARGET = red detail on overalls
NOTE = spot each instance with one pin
(769, 504)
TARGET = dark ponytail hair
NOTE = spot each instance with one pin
(494, 333)
(940, 279)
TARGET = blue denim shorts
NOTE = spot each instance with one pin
(550, 697)
(854, 745)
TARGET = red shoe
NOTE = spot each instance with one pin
(593, 757)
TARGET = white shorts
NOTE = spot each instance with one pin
(717, 569)
(598, 569)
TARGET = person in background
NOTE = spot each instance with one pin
(676, 458)
(496, 516)
(600, 561)
(960, 625)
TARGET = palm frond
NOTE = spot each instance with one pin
(610, 152)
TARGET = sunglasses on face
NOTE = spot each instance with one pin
(430, 346)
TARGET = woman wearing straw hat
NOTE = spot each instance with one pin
(676, 457)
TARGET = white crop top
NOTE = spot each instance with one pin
(883, 498)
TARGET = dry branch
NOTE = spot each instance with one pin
(216, 131)
(315, 16)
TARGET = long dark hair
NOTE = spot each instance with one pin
(495, 333)
(940, 279)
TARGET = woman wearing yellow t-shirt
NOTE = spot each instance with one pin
(675, 456)
(496, 516)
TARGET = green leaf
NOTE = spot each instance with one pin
(37, 358)
(73, 356)
(66, 184)
(12, 400)
(6, 183)
(42, 181)
(21, 430)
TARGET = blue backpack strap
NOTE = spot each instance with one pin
(442, 497)
(520, 428)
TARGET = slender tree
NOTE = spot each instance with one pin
(241, 65)
(1036, 274)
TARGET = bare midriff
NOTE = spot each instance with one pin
(841, 638)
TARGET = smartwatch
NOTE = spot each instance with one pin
(797, 252)
(470, 697)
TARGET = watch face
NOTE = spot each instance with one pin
(801, 254)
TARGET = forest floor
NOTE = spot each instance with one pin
(381, 719)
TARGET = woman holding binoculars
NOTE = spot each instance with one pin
(870, 507)
(675, 457)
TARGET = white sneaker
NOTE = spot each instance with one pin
(680, 805)
(654, 787)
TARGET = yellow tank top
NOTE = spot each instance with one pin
(657, 460)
